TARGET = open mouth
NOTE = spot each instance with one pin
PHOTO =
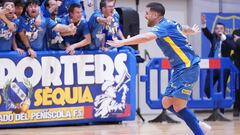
(33, 12)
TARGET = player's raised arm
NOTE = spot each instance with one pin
(187, 30)
(141, 38)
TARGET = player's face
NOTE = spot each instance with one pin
(76, 15)
(33, 10)
(219, 29)
(108, 10)
(18, 10)
(53, 4)
(55, 12)
(149, 16)
(10, 8)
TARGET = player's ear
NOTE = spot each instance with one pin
(156, 15)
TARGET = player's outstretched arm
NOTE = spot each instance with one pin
(141, 38)
(190, 30)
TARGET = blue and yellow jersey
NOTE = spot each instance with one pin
(174, 44)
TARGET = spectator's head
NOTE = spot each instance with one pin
(154, 12)
(219, 29)
(32, 8)
(107, 7)
(19, 7)
(75, 12)
(236, 32)
(52, 5)
(9, 6)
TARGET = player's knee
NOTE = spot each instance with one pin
(166, 102)
(178, 106)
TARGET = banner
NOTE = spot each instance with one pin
(60, 89)
(230, 20)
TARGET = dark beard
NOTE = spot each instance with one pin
(150, 24)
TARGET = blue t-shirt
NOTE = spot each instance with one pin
(55, 40)
(82, 30)
(36, 35)
(97, 30)
(6, 37)
(174, 44)
(112, 29)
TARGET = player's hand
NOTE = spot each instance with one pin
(2, 12)
(109, 20)
(59, 3)
(90, 3)
(203, 20)
(194, 30)
(32, 53)
(115, 43)
(38, 21)
(72, 29)
(20, 51)
(11, 26)
(70, 50)
(53, 8)
(236, 38)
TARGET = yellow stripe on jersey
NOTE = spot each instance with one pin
(178, 51)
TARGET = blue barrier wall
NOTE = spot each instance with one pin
(59, 89)
(217, 99)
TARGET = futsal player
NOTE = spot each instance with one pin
(170, 37)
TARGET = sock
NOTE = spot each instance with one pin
(173, 111)
(191, 120)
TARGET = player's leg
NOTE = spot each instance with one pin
(167, 103)
(187, 115)
(184, 83)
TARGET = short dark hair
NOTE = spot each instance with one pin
(29, 2)
(220, 24)
(156, 7)
(73, 6)
(103, 3)
(19, 3)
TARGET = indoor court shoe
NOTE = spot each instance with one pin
(205, 127)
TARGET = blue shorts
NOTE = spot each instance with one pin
(182, 81)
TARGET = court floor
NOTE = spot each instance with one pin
(132, 128)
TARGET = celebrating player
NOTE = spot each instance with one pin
(170, 37)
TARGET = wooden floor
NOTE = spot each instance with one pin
(132, 128)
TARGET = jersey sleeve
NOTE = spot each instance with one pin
(96, 15)
(51, 24)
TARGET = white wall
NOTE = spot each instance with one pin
(182, 11)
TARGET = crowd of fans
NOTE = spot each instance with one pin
(56, 25)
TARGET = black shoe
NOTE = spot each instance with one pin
(236, 113)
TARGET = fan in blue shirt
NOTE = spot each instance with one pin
(7, 35)
(35, 26)
(104, 25)
(82, 36)
(63, 9)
